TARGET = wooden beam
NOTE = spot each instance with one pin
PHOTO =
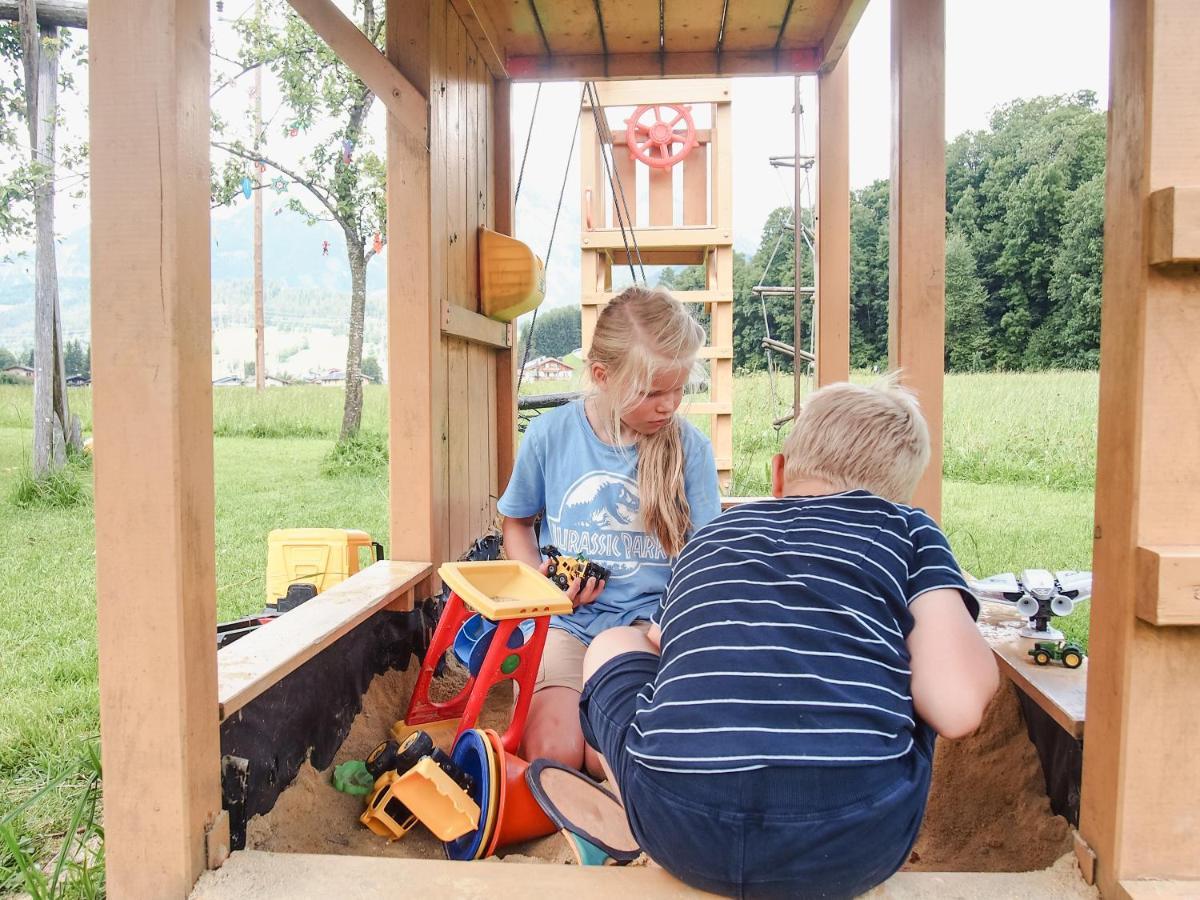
(460, 322)
(152, 359)
(657, 238)
(394, 90)
(502, 207)
(415, 495)
(50, 13)
(266, 655)
(801, 61)
(1169, 585)
(917, 264)
(406, 34)
(831, 309)
(1138, 807)
(691, 90)
(713, 296)
(1175, 226)
(841, 28)
(483, 32)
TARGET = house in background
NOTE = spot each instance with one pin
(546, 368)
(333, 378)
(20, 371)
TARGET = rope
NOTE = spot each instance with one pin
(762, 300)
(549, 247)
(614, 180)
(528, 138)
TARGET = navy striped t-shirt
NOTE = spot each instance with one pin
(783, 636)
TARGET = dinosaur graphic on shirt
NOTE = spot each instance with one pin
(598, 517)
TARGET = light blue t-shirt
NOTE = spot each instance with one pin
(589, 492)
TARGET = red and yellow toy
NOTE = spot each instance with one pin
(505, 592)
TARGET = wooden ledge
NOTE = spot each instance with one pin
(251, 665)
(1060, 691)
(303, 875)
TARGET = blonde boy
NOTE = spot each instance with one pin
(773, 734)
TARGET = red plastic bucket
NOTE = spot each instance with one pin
(520, 817)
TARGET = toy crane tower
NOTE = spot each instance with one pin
(689, 173)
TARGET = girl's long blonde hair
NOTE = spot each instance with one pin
(638, 334)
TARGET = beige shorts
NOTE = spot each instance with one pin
(562, 659)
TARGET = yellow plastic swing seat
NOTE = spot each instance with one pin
(512, 279)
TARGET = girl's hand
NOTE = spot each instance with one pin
(583, 594)
(580, 594)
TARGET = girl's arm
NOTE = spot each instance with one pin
(953, 670)
(520, 543)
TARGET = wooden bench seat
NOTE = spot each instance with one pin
(249, 666)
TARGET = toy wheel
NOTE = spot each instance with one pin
(653, 141)
(382, 758)
(551, 571)
(561, 581)
(415, 746)
(1042, 658)
(1072, 659)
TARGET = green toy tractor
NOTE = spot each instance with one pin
(1070, 655)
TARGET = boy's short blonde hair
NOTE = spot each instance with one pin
(858, 436)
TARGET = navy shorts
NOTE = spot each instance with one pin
(784, 831)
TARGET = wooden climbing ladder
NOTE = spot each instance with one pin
(689, 221)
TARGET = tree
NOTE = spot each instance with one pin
(31, 52)
(967, 341)
(344, 179)
(6, 358)
(77, 358)
(559, 332)
(869, 243)
(372, 369)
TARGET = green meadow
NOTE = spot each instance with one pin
(1019, 475)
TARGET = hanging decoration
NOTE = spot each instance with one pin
(220, 6)
(247, 186)
(293, 129)
(347, 150)
(378, 245)
(279, 183)
(279, 210)
(260, 167)
(324, 248)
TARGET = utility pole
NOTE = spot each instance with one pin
(260, 353)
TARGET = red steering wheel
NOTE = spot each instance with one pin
(654, 140)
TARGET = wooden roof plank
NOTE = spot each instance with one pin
(692, 26)
(630, 28)
(799, 61)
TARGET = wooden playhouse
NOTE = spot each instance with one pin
(169, 714)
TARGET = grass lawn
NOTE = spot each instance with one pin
(1018, 493)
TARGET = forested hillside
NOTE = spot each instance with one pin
(1024, 250)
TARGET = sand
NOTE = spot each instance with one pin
(988, 811)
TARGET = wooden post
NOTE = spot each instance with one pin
(416, 374)
(152, 360)
(1140, 812)
(831, 308)
(917, 266)
(502, 210)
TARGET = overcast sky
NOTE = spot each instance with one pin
(995, 52)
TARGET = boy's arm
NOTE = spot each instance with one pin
(954, 674)
(519, 540)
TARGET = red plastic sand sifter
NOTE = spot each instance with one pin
(505, 592)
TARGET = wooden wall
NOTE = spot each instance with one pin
(462, 130)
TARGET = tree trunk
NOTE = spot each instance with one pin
(352, 414)
(260, 327)
(52, 423)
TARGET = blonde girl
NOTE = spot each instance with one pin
(618, 477)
